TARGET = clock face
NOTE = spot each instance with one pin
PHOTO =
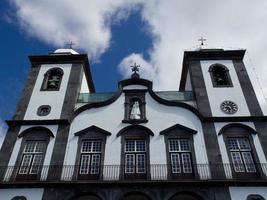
(229, 107)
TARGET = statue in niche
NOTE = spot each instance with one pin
(135, 112)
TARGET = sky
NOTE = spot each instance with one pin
(117, 33)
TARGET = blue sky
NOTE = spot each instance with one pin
(117, 33)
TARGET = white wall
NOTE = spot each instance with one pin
(217, 95)
(30, 194)
(53, 98)
(241, 193)
(159, 118)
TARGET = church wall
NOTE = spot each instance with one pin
(53, 98)
(217, 95)
(29, 193)
(241, 193)
(159, 118)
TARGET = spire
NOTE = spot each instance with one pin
(135, 69)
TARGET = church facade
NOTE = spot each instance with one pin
(205, 141)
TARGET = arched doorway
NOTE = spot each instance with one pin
(135, 196)
(88, 197)
(185, 196)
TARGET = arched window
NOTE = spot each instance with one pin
(19, 198)
(135, 196)
(255, 197)
(220, 76)
(185, 196)
(52, 79)
(180, 149)
(32, 152)
(88, 197)
(90, 152)
(135, 151)
(241, 150)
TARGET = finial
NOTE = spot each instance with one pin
(135, 69)
(70, 44)
(202, 40)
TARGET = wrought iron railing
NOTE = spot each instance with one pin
(153, 172)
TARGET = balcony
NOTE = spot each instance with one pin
(116, 173)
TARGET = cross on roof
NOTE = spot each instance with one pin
(202, 40)
(135, 68)
(70, 44)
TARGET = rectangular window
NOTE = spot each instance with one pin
(180, 155)
(241, 154)
(32, 158)
(90, 161)
(135, 156)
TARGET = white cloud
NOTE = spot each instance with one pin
(86, 23)
(174, 26)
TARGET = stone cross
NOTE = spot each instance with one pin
(202, 40)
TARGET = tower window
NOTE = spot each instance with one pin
(52, 79)
(220, 76)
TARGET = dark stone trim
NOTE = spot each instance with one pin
(261, 128)
(8, 145)
(59, 151)
(72, 92)
(36, 130)
(243, 126)
(178, 126)
(247, 88)
(235, 119)
(60, 59)
(136, 127)
(27, 92)
(93, 129)
(199, 88)
(212, 149)
(12, 123)
(207, 54)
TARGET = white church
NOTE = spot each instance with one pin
(207, 140)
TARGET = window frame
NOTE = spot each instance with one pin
(47, 76)
(135, 132)
(227, 74)
(241, 131)
(92, 133)
(34, 134)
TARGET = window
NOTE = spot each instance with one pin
(180, 155)
(135, 156)
(241, 155)
(90, 160)
(255, 197)
(52, 79)
(19, 198)
(220, 76)
(32, 157)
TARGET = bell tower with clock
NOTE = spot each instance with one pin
(220, 82)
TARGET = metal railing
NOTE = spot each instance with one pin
(153, 172)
